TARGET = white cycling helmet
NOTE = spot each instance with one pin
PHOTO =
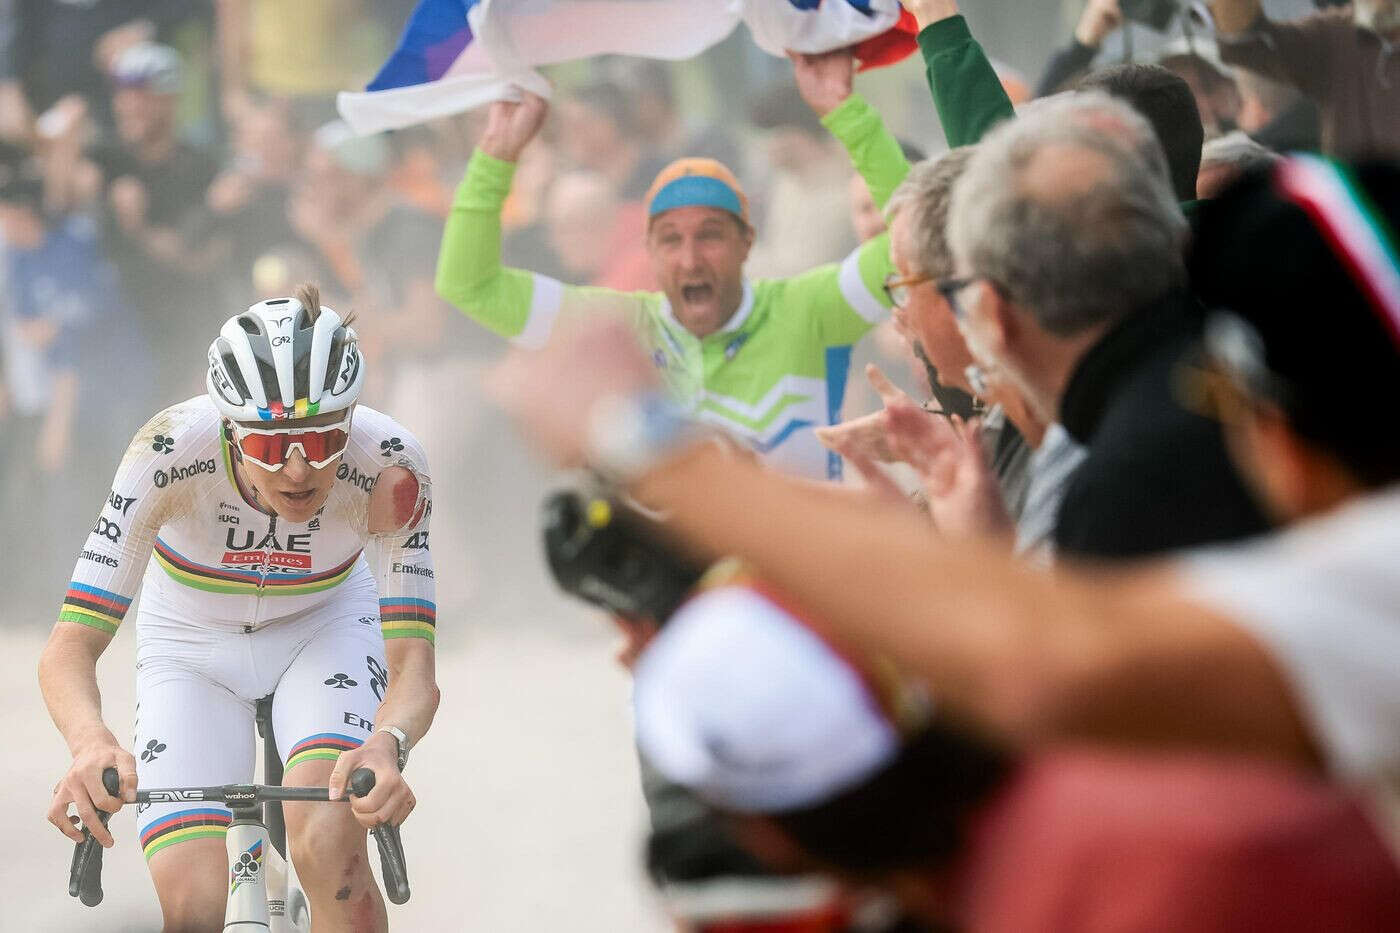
(274, 363)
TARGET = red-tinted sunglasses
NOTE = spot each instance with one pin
(269, 448)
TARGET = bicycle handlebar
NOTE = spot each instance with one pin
(85, 873)
(391, 861)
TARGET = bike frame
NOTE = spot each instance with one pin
(259, 881)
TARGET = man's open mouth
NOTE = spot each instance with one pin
(299, 496)
(694, 294)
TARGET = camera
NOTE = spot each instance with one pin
(606, 552)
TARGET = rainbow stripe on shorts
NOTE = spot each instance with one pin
(204, 823)
(324, 745)
(93, 607)
(402, 617)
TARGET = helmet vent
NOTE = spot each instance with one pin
(231, 367)
(250, 324)
(334, 359)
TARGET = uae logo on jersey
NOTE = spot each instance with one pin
(245, 552)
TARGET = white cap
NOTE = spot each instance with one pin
(748, 707)
(150, 65)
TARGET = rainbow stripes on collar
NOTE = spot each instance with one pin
(401, 617)
(204, 823)
(93, 607)
(323, 745)
(248, 582)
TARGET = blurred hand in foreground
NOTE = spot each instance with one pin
(551, 391)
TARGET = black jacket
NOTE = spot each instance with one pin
(1157, 476)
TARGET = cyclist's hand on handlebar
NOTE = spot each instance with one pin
(82, 787)
(511, 125)
(392, 799)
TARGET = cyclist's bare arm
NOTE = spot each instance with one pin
(400, 511)
(409, 704)
(68, 680)
(105, 577)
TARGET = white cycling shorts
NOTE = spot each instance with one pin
(197, 689)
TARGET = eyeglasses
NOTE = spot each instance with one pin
(950, 289)
(897, 287)
(269, 448)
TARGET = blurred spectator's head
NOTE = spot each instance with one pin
(21, 198)
(343, 168)
(1262, 100)
(1058, 230)
(580, 210)
(1165, 100)
(598, 124)
(698, 236)
(818, 762)
(146, 84)
(1379, 16)
(648, 85)
(1197, 62)
(266, 138)
(1225, 158)
(866, 218)
(1303, 351)
(918, 213)
(796, 137)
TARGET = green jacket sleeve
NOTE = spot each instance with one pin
(874, 151)
(966, 90)
(514, 303)
(846, 299)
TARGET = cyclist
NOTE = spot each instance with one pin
(766, 360)
(282, 531)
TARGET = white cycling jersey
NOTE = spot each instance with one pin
(238, 604)
(177, 513)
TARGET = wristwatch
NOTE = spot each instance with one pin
(400, 738)
(627, 435)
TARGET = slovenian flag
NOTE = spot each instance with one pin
(458, 54)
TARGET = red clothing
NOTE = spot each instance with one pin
(1090, 842)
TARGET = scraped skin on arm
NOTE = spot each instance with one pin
(394, 504)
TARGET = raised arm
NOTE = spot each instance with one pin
(826, 83)
(512, 302)
(965, 87)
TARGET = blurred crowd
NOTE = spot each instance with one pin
(1126, 659)
(165, 163)
(1056, 393)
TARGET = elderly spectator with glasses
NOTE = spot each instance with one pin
(1070, 284)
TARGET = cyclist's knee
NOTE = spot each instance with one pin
(324, 832)
(190, 880)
